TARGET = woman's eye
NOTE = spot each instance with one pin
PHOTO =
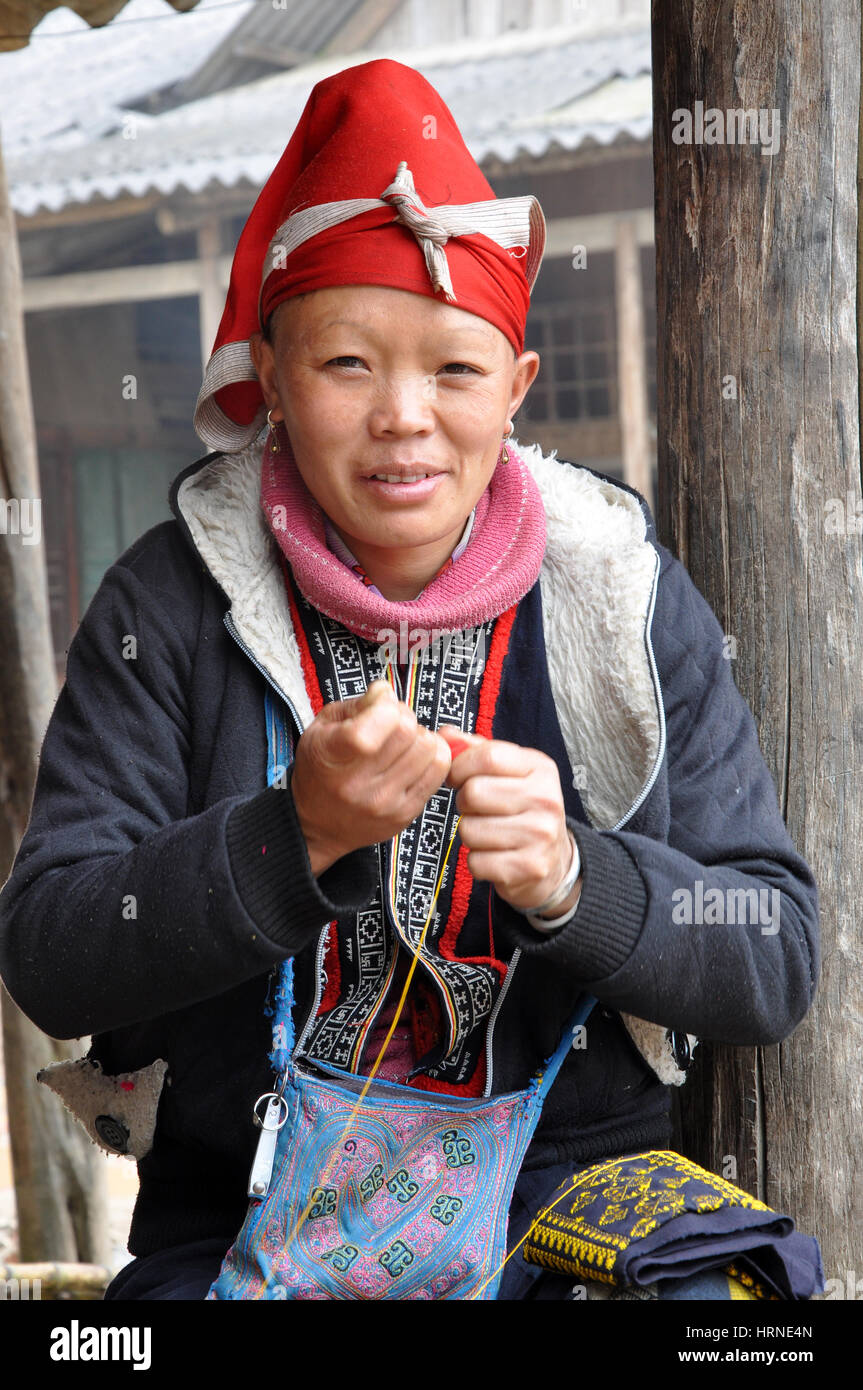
(449, 368)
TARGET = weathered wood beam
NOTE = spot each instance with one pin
(760, 496)
(100, 210)
(26, 1282)
(211, 295)
(126, 284)
(632, 361)
(59, 1190)
(597, 231)
(19, 18)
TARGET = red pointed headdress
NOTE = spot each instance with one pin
(375, 187)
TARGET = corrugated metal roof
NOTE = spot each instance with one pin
(523, 95)
(306, 25)
(73, 83)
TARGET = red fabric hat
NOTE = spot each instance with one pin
(375, 187)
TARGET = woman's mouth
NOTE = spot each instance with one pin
(408, 487)
(398, 478)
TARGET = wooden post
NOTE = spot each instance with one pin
(760, 496)
(631, 361)
(211, 295)
(59, 1189)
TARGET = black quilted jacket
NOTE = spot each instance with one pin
(149, 789)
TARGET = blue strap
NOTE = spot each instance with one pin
(555, 1062)
(280, 751)
(279, 757)
(280, 754)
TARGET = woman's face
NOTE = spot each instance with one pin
(395, 405)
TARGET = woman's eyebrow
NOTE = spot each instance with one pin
(449, 335)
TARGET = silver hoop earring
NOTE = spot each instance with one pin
(274, 447)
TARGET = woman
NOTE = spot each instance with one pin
(579, 716)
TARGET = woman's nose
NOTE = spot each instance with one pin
(404, 405)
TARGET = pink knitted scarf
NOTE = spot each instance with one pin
(499, 565)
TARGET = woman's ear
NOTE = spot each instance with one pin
(264, 361)
(524, 375)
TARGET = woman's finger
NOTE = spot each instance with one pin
(509, 870)
(519, 876)
(375, 737)
(428, 775)
(492, 757)
(500, 796)
(526, 832)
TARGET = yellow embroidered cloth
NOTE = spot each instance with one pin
(656, 1215)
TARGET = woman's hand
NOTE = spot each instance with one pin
(364, 769)
(513, 819)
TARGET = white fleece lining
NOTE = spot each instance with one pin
(596, 578)
(597, 582)
(222, 506)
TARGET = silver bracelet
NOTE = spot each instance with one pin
(549, 924)
(560, 895)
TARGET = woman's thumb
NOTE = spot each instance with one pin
(340, 710)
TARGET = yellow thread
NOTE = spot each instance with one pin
(415, 960)
(516, 1248)
(416, 955)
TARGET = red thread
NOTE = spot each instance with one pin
(310, 675)
(464, 881)
(494, 671)
(457, 746)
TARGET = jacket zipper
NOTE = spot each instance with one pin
(319, 990)
(657, 690)
(516, 956)
(232, 628)
(645, 792)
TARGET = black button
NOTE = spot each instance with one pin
(112, 1132)
(680, 1049)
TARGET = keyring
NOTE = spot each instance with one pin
(270, 1095)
